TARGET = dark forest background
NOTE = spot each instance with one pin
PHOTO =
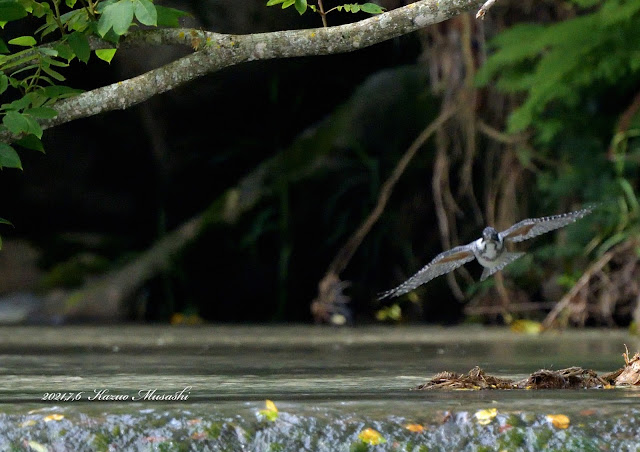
(550, 95)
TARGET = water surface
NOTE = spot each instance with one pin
(328, 384)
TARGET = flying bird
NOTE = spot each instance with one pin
(489, 250)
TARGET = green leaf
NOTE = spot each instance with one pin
(46, 29)
(9, 157)
(168, 17)
(4, 83)
(48, 51)
(19, 104)
(54, 62)
(3, 221)
(24, 41)
(287, 3)
(42, 112)
(117, 16)
(16, 122)
(355, 8)
(54, 74)
(80, 45)
(37, 99)
(301, 6)
(372, 8)
(65, 51)
(76, 20)
(3, 47)
(70, 3)
(34, 127)
(60, 92)
(31, 142)
(11, 10)
(145, 12)
(40, 9)
(274, 2)
(106, 54)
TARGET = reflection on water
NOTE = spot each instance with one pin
(337, 379)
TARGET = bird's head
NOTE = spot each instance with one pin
(490, 234)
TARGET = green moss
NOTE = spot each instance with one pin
(543, 437)
(512, 439)
(359, 446)
(100, 442)
(214, 430)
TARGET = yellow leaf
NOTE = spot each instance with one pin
(270, 411)
(558, 420)
(526, 327)
(371, 436)
(269, 405)
(484, 417)
(53, 417)
(415, 428)
(28, 423)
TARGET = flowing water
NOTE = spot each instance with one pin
(203, 388)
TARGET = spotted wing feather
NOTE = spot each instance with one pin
(533, 227)
(441, 264)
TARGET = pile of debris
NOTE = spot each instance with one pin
(569, 378)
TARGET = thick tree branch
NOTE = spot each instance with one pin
(217, 51)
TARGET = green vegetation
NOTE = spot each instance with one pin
(302, 6)
(547, 118)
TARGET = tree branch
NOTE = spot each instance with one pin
(217, 51)
(484, 9)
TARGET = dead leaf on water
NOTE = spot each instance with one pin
(526, 326)
(53, 417)
(558, 420)
(415, 428)
(371, 436)
(270, 411)
(484, 417)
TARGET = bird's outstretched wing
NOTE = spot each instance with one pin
(441, 264)
(533, 227)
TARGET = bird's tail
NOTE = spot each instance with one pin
(505, 260)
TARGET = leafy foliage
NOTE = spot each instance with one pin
(30, 73)
(302, 6)
(561, 65)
